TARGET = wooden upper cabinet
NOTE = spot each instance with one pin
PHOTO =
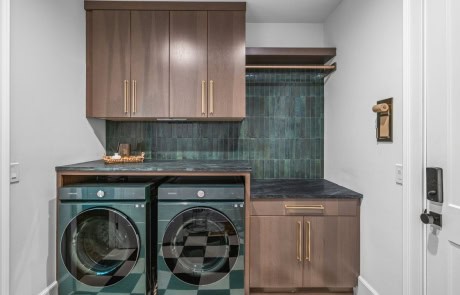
(188, 64)
(108, 63)
(149, 60)
(149, 64)
(226, 64)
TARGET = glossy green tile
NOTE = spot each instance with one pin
(282, 135)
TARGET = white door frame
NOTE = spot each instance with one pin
(413, 147)
(5, 146)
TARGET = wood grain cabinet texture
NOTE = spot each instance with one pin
(208, 64)
(128, 64)
(145, 64)
(300, 246)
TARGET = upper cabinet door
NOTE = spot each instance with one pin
(226, 64)
(108, 63)
(149, 64)
(188, 64)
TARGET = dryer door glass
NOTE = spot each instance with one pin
(200, 246)
(100, 247)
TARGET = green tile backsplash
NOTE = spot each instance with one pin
(282, 135)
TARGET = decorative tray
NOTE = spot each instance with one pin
(129, 159)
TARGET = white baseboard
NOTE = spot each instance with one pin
(50, 290)
(364, 288)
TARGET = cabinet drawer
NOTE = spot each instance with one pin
(295, 207)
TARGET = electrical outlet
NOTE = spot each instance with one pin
(399, 174)
(14, 172)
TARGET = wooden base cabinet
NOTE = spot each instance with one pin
(302, 249)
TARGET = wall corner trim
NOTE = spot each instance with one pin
(364, 288)
(50, 290)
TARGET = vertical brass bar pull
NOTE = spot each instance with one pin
(211, 97)
(125, 96)
(299, 241)
(203, 97)
(308, 241)
(134, 96)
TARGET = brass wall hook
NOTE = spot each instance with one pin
(384, 128)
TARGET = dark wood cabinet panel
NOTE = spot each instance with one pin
(334, 252)
(108, 63)
(150, 64)
(275, 255)
(329, 243)
(188, 64)
(226, 64)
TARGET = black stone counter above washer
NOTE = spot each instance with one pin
(300, 188)
(161, 166)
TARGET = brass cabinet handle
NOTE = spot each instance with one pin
(125, 95)
(299, 241)
(203, 98)
(311, 207)
(134, 95)
(308, 242)
(211, 97)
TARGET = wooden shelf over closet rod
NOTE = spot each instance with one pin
(288, 56)
(308, 67)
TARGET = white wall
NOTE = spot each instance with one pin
(48, 128)
(284, 35)
(368, 37)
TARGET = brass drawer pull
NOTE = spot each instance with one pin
(299, 241)
(125, 95)
(134, 96)
(211, 97)
(311, 207)
(308, 242)
(203, 98)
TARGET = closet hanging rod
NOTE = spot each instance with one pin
(309, 67)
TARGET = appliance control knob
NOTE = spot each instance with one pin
(200, 194)
(100, 193)
(235, 205)
(241, 205)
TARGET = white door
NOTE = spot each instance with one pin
(442, 50)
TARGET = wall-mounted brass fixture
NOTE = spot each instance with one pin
(384, 128)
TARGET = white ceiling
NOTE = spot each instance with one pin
(282, 11)
(289, 11)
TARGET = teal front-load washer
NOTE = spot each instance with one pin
(201, 237)
(105, 239)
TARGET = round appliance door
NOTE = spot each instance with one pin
(200, 246)
(100, 247)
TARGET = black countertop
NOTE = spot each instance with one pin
(161, 166)
(299, 188)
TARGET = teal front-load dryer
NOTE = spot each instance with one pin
(105, 238)
(201, 237)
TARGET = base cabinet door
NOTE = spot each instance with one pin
(304, 247)
(277, 262)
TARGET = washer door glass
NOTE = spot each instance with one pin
(200, 246)
(100, 247)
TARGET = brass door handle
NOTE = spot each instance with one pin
(134, 95)
(125, 96)
(203, 97)
(311, 207)
(211, 97)
(299, 241)
(308, 241)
